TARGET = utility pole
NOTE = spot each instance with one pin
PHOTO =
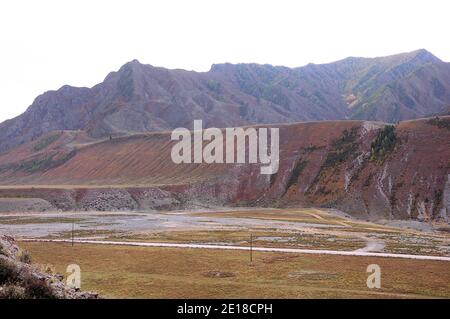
(251, 247)
(72, 232)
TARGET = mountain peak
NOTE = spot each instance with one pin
(135, 63)
(132, 65)
(423, 56)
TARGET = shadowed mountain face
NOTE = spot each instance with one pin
(143, 98)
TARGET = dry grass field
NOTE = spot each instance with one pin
(142, 272)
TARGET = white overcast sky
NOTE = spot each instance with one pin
(48, 43)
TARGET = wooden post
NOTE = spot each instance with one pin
(251, 247)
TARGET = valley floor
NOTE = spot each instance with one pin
(143, 272)
(298, 253)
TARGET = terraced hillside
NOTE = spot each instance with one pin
(369, 169)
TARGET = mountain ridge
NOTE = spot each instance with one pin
(141, 97)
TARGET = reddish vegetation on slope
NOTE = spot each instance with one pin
(321, 163)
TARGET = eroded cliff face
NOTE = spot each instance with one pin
(369, 169)
(445, 210)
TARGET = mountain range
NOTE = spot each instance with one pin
(352, 136)
(143, 98)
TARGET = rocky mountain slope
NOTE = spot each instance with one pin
(369, 169)
(20, 279)
(142, 98)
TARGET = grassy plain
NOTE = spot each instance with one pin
(142, 272)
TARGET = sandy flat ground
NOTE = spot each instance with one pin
(306, 229)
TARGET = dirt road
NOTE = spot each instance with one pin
(263, 249)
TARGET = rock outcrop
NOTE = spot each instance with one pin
(20, 279)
